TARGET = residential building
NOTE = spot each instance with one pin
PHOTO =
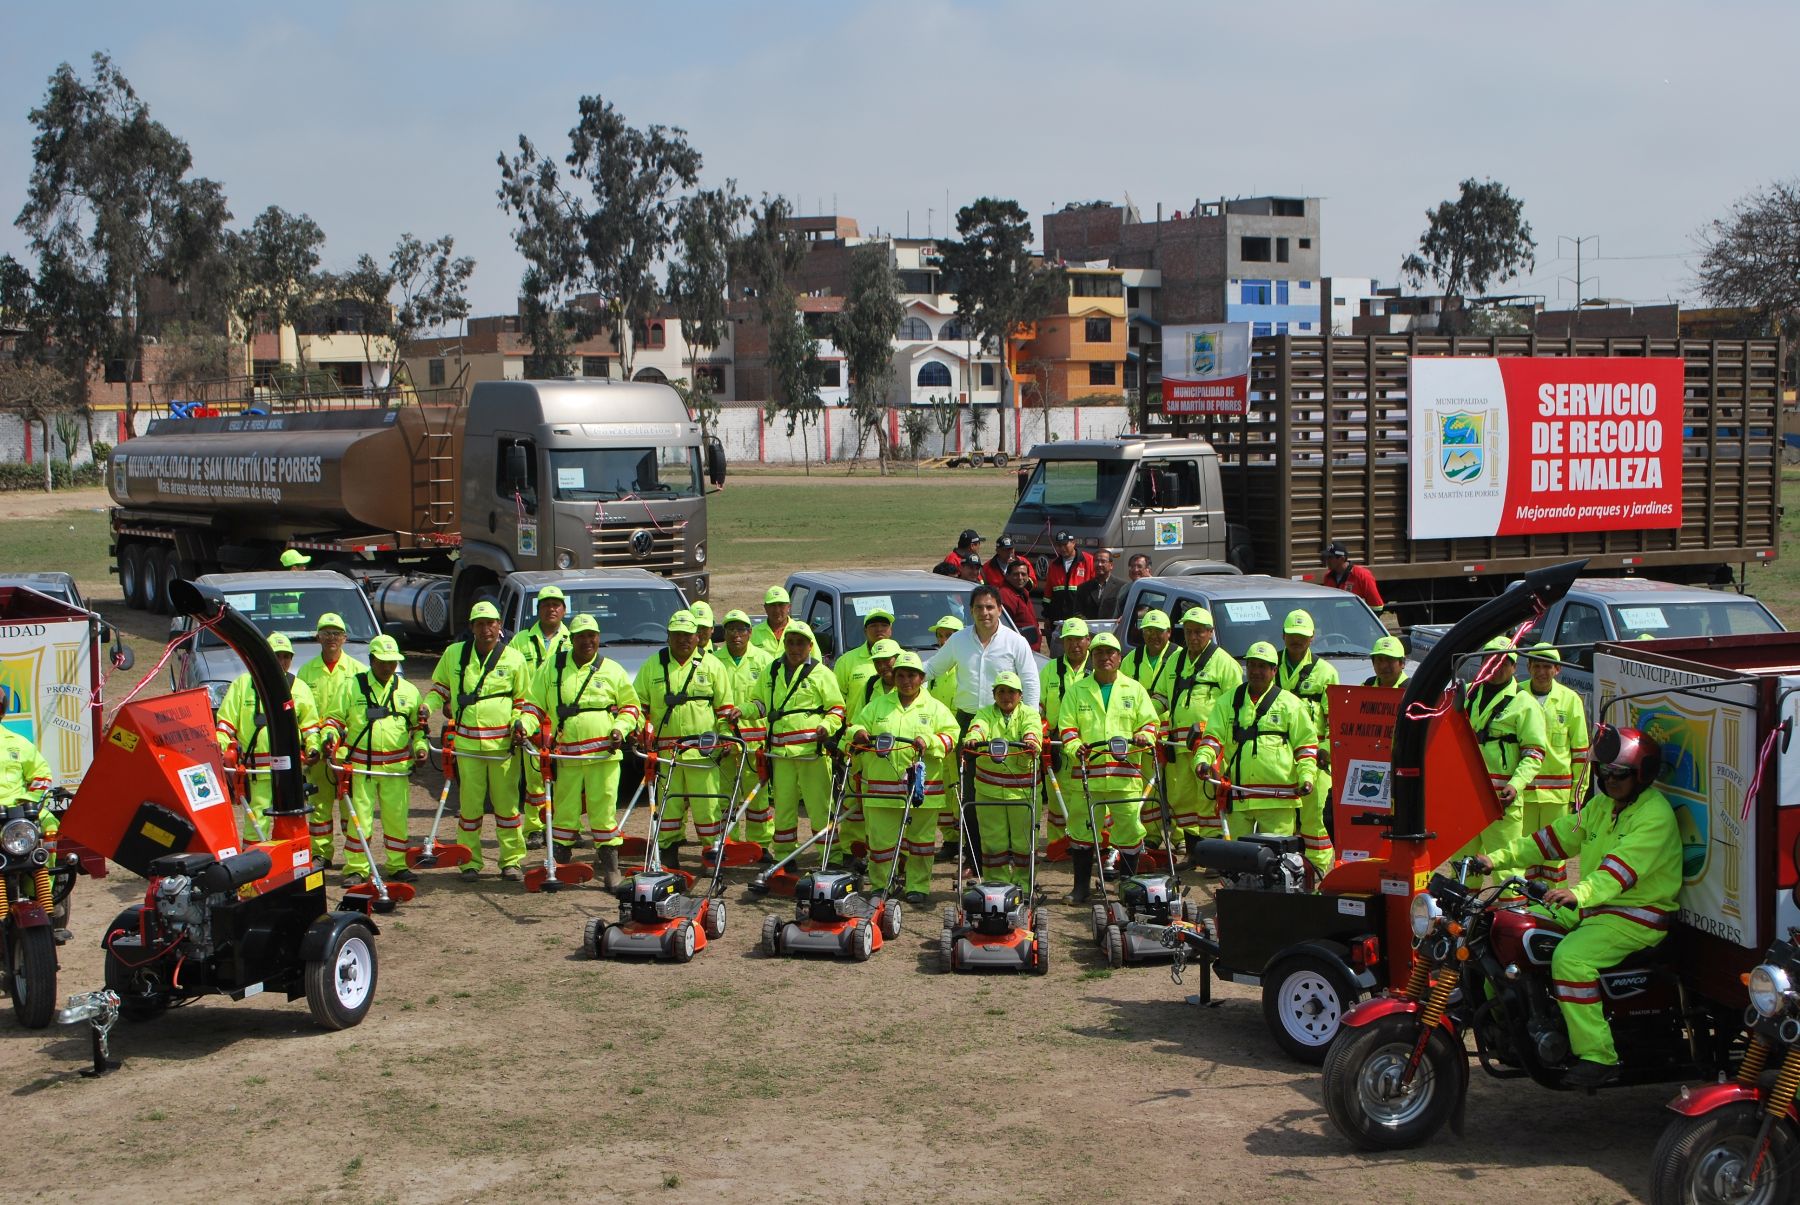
(1143, 330)
(1250, 259)
(1078, 352)
(1344, 295)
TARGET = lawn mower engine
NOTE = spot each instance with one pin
(1259, 862)
(994, 909)
(830, 895)
(654, 895)
(832, 915)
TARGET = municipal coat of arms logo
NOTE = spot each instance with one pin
(1460, 445)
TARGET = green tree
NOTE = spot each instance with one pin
(915, 426)
(1751, 258)
(699, 278)
(38, 393)
(1001, 288)
(422, 288)
(111, 210)
(276, 265)
(764, 260)
(616, 246)
(864, 332)
(1481, 238)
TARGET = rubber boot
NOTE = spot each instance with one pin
(1193, 852)
(1128, 864)
(607, 858)
(671, 856)
(1084, 876)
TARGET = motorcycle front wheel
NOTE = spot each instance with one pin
(1707, 1159)
(33, 956)
(1363, 1091)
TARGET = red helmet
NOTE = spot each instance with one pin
(1627, 749)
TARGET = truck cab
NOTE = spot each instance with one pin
(1157, 496)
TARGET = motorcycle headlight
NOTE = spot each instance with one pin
(215, 692)
(1425, 914)
(1770, 989)
(19, 837)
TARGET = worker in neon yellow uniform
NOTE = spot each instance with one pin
(1006, 831)
(1260, 740)
(1150, 665)
(799, 701)
(777, 612)
(746, 663)
(586, 709)
(1562, 780)
(1630, 850)
(1308, 678)
(324, 676)
(869, 682)
(854, 667)
(242, 727)
(482, 686)
(1509, 730)
(686, 692)
(1097, 708)
(1387, 657)
(1203, 672)
(376, 724)
(943, 687)
(1069, 667)
(924, 730)
(537, 644)
(24, 771)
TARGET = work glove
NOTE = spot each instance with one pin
(1307, 783)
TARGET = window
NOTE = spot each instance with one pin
(593, 366)
(1306, 286)
(1256, 292)
(829, 374)
(658, 336)
(1131, 297)
(504, 487)
(1147, 600)
(1281, 328)
(1306, 326)
(349, 374)
(914, 329)
(934, 376)
(434, 371)
(602, 474)
(712, 374)
(262, 371)
(1289, 207)
(1337, 301)
(1083, 285)
(1099, 330)
(1581, 626)
(1281, 250)
(1306, 244)
(987, 376)
(956, 328)
(1281, 292)
(651, 374)
(1103, 373)
(1260, 329)
(822, 622)
(1253, 250)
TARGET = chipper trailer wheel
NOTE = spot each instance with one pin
(340, 983)
(1304, 1001)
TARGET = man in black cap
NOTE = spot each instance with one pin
(968, 548)
(1069, 571)
(1356, 579)
(994, 572)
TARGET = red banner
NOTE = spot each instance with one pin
(1362, 740)
(1516, 445)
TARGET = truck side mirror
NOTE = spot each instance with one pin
(715, 460)
(515, 467)
(394, 628)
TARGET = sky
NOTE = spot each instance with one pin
(1633, 123)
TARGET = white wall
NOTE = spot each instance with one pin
(749, 441)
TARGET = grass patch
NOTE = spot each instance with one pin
(1095, 973)
(73, 543)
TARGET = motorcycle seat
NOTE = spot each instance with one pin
(1655, 956)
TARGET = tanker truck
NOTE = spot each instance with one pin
(428, 507)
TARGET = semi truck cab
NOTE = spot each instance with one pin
(1157, 496)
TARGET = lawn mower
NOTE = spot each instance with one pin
(832, 912)
(995, 925)
(778, 877)
(1152, 897)
(657, 916)
(216, 918)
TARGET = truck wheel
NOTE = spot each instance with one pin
(131, 574)
(159, 571)
(33, 969)
(340, 985)
(1304, 1001)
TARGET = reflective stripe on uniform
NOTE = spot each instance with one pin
(1586, 991)
(1650, 918)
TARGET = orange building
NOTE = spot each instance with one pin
(1077, 353)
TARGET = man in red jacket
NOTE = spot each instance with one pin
(1015, 599)
(995, 571)
(1069, 571)
(1356, 579)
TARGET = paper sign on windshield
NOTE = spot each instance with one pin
(1255, 611)
(241, 602)
(1643, 618)
(571, 478)
(864, 603)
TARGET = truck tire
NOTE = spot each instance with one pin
(133, 572)
(159, 572)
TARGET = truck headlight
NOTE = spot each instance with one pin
(1770, 989)
(699, 554)
(19, 837)
(1425, 914)
(565, 559)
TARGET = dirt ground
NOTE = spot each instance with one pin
(498, 1059)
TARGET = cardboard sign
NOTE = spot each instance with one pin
(1362, 743)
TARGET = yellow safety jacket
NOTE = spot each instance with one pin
(483, 696)
(374, 724)
(1266, 746)
(1630, 857)
(1154, 674)
(584, 710)
(1308, 681)
(24, 772)
(746, 672)
(325, 682)
(800, 707)
(884, 778)
(1510, 731)
(766, 638)
(531, 645)
(686, 698)
(1563, 776)
(1012, 776)
(1195, 687)
(1093, 715)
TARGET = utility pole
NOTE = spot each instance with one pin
(1580, 281)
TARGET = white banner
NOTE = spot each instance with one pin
(49, 665)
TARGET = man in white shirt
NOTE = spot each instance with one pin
(979, 654)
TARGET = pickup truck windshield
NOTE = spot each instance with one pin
(1727, 617)
(914, 613)
(606, 474)
(1071, 492)
(1343, 626)
(295, 613)
(625, 616)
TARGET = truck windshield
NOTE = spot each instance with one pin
(625, 615)
(1342, 626)
(295, 613)
(1072, 493)
(1727, 617)
(914, 613)
(602, 474)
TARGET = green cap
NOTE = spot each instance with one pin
(1500, 644)
(293, 557)
(1199, 616)
(1645, 636)
(1543, 652)
(948, 623)
(683, 621)
(775, 594)
(878, 613)
(908, 660)
(703, 614)
(483, 610)
(796, 628)
(1297, 623)
(1008, 678)
(583, 623)
(281, 644)
(1105, 640)
(331, 619)
(552, 594)
(735, 616)
(1074, 628)
(1154, 621)
(883, 649)
(1262, 650)
(1389, 646)
(385, 648)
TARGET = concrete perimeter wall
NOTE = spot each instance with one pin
(748, 440)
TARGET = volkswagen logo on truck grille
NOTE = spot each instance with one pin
(642, 543)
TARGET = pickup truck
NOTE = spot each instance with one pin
(1624, 608)
(632, 607)
(833, 604)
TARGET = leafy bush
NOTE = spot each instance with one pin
(16, 475)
